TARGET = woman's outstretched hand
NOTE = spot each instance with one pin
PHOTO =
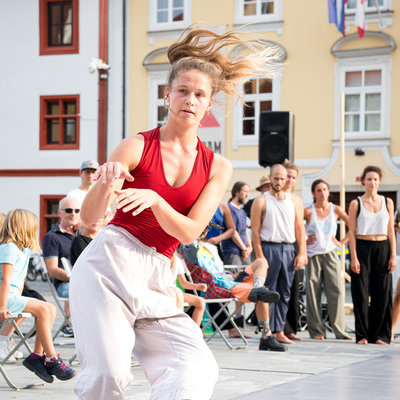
(110, 171)
(137, 199)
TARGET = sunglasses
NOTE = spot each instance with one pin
(71, 210)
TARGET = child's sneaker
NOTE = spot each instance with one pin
(35, 363)
(67, 331)
(58, 368)
(4, 351)
(11, 344)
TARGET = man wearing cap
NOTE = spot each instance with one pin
(88, 168)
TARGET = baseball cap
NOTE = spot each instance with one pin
(89, 164)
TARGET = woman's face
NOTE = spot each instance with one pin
(371, 181)
(189, 97)
(321, 192)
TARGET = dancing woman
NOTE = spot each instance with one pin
(168, 186)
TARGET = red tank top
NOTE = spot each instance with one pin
(149, 174)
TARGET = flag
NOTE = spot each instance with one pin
(336, 14)
(332, 11)
(360, 17)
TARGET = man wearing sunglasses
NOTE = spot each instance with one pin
(57, 244)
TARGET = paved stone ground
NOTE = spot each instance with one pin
(331, 369)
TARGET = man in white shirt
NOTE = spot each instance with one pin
(88, 168)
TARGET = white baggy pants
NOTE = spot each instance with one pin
(119, 304)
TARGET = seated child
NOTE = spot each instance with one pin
(18, 236)
(246, 286)
(178, 271)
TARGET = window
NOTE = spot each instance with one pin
(370, 5)
(258, 11)
(363, 100)
(162, 112)
(59, 122)
(381, 14)
(260, 94)
(365, 83)
(169, 14)
(48, 213)
(158, 114)
(59, 27)
(253, 8)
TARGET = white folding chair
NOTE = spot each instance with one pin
(12, 320)
(224, 304)
(59, 300)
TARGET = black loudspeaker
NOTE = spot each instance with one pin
(276, 137)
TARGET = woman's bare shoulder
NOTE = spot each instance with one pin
(129, 151)
(221, 165)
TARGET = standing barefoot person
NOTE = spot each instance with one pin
(168, 186)
(323, 268)
(373, 259)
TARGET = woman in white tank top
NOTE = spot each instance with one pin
(323, 268)
(373, 259)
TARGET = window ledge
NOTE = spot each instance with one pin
(166, 33)
(240, 142)
(371, 144)
(260, 26)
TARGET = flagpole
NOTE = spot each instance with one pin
(380, 24)
(342, 184)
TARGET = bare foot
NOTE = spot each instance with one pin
(319, 337)
(233, 333)
(292, 336)
(379, 341)
(281, 338)
(348, 338)
(362, 341)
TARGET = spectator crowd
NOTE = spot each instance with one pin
(275, 244)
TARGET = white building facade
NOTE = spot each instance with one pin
(49, 103)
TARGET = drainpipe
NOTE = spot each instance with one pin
(123, 67)
(103, 83)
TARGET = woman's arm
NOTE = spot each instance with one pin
(110, 177)
(341, 214)
(6, 273)
(184, 228)
(391, 236)
(300, 233)
(230, 226)
(354, 263)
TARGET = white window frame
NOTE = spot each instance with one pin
(364, 64)
(383, 17)
(259, 23)
(170, 25)
(156, 78)
(252, 140)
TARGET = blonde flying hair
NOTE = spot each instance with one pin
(21, 227)
(2, 218)
(200, 49)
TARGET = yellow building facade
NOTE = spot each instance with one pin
(318, 64)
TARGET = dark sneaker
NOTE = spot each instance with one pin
(35, 364)
(67, 331)
(271, 344)
(264, 295)
(60, 370)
